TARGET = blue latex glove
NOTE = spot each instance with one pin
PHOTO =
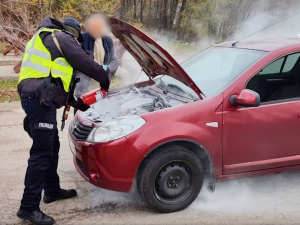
(104, 67)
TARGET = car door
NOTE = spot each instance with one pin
(267, 136)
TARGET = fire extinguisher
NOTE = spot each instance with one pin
(93, 96)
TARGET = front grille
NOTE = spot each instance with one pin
(81, 132)
(81, 167)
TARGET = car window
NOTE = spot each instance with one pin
(281, 65)
(290, 62)
(274, 67)
(281, 80)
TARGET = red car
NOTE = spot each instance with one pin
(230, 111)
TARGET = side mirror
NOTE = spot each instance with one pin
(246, 98)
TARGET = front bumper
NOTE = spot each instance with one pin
(111, 165)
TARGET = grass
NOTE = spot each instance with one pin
(3, 46)
(8, 91)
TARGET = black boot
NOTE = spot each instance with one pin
(64, 194)
(37, 217)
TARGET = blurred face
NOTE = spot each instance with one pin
(96, 27)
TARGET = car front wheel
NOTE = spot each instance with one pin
(170, 179)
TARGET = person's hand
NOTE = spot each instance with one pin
(80, 105)
(105, 85)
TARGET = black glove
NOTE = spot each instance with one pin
(105, 85)
(80, 105)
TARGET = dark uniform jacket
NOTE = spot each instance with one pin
(74, 53)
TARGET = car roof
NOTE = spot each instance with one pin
(263, 44)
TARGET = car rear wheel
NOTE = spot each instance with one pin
(170, 179)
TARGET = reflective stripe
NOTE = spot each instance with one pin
(32, 40)
(37, 62)
(36, 66)
(32, 43)
(62, 63)
(38, 53)
(57, 72)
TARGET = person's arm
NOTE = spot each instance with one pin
(113, 63)
(80, 60)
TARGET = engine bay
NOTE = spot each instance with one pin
(131, 101)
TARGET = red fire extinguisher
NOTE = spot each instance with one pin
(93, 96)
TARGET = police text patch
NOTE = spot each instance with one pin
(45, 126)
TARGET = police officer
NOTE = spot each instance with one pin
(45, 77)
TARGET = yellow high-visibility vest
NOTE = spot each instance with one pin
(37, 62)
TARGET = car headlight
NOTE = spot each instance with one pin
(116, 129)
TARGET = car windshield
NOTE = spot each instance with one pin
(215, 68)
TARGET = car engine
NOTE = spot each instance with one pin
(130, 101)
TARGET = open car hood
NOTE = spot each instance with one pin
(152, 58)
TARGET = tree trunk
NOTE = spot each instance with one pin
(134, 9)
(122, 9)
(142, 11)
(178, 25)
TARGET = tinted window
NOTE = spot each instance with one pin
(290, 62)
(279, 80)
(274, 67)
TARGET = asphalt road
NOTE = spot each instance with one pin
(272, 199)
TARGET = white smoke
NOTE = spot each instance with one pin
(272, 194)
(287, 28)
(263, 16)
(129, 70)
(275, 194)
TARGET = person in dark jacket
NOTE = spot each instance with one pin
(43, 87)
(101, 47)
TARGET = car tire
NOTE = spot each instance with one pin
(170, 179)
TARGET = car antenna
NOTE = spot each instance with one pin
(233, 44)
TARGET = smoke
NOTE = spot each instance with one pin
(263, 15)
(263, 18)
(99, 200)
(129, 70)
(272, 194)
(230, 196)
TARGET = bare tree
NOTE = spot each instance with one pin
(16, 23)
(227, 15)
